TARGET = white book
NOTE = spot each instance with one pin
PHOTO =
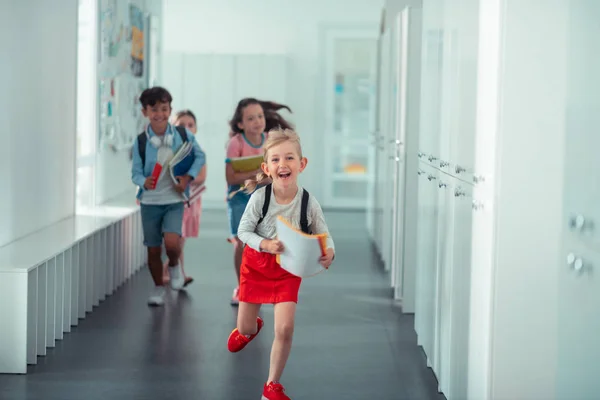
(301, 252)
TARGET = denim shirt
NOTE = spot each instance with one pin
(139, 173)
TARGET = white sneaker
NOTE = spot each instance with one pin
(157, 298)
(177, 279)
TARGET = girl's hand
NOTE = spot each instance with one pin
(273, 246)
(327, 259)
(184, 181)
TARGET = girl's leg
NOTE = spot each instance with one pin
(238, 249)
(248, 326)
(284, 330)
(246, 321)
(187, 279)
(235, 210)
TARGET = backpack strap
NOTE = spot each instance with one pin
(142, 139)
(304, 212)
(265, 208)
(303, 208)
(182, 132)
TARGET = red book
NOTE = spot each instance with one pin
(156, 173)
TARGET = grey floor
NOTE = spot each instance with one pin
(350, 342)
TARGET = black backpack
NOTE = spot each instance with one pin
(303, 208)
(142, 139)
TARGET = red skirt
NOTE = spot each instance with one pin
(263, 281)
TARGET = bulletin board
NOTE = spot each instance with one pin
(122, 73)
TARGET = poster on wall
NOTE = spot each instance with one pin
(121, 73)
(136, 18)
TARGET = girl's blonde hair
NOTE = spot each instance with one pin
(276, 137)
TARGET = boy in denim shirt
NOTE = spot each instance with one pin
(161, 200)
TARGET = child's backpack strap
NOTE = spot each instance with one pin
(266, 203)
(304, 212)
(303, 208)
(142, 139)
(182, 133)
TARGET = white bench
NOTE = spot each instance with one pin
(52, 278)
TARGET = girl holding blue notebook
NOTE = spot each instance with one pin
(162, 200)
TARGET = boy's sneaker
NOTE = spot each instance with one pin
(274, 391)
(157, 298)
(237, 341)
(177, 280)
(235, 299)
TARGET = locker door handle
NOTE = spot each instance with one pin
(477, 205)
(579, 223)
(576, 263)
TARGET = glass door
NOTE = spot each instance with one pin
(381, 178)
(372, 167)
(350, 56)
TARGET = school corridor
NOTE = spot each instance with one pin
(350, 342)
(452, 144)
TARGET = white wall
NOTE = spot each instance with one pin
(267, 26)
(37, 151)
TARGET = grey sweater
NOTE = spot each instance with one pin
(252, 235)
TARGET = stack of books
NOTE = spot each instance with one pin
(181, 162)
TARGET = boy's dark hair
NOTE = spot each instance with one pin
(272, 118)
(153, 95)
(185, 113)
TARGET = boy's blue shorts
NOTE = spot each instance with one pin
(158, 219)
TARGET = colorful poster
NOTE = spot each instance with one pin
(136, 19)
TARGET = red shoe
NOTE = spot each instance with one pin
(237, 342)
(274, 391)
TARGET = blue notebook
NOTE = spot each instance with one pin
(183, 166)
(182, 161)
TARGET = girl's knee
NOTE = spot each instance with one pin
(247, 327)
(284, 331)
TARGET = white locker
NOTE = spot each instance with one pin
(579, 284)
(448, 109)
(426, 258)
